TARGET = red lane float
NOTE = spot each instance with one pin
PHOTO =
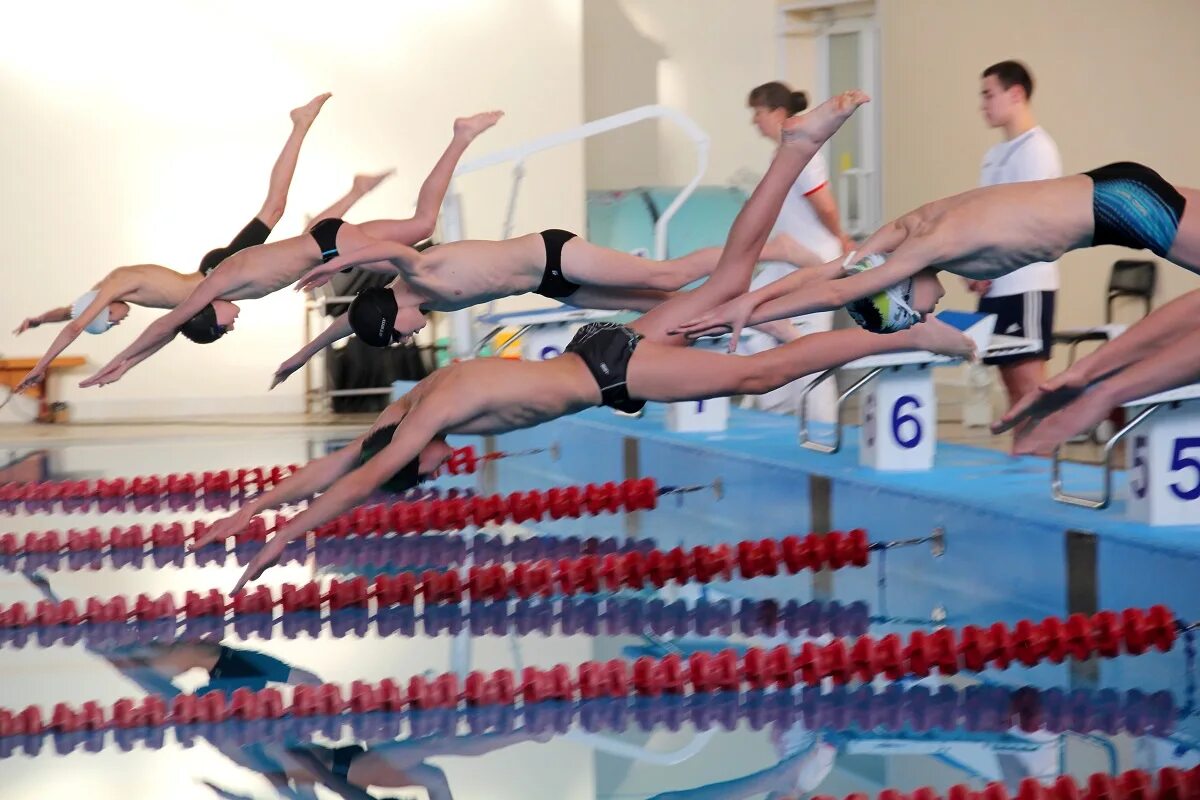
(587, 574)
(442, 514)
(1105, 634)
(462, 461)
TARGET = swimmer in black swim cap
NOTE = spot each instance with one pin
(154, 286)
(606, 363)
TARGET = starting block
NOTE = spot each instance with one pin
(709, 416)
(1163, 460)
(899, 411)
(544, 333)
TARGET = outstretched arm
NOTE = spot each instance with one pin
(415, 431)
(733, 316)
(829, 295)
(1171, 367)
(337, 330)
(60, 314)
(65, 337)
(160, 332)
(1160, 328)
(385, 257)
(313, 477)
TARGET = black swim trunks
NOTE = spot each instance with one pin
(343, 757)
(406, 477)
(325, 234)
(606, 348)
(249, 668)
(254, 234)
(1135, 207)
(553, 284)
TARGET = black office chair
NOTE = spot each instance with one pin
(1132, 278)
(1129, 278)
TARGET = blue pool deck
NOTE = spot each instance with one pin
(1012, 551)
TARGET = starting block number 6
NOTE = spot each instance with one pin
(897, 421)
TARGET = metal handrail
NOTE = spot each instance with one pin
(821, 447)
(1105, 498)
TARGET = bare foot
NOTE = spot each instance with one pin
(938, 337)
(1085, 413)
(470, 127)
(365, 183)
(305, 114)
(815, 127)
(785, 248)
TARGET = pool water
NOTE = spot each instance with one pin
(1041, 722)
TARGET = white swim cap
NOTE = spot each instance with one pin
(886, 312)
(101, 323)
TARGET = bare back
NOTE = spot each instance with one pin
(496, 395)
(258, 271)
(150, 285)
(458, 275)
(991, 231)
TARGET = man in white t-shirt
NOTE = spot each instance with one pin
(1023, 301)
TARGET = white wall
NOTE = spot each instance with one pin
(700, 56)
(1114, 81)
(144, 132)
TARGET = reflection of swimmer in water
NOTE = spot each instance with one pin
(344, 770)
(804, 763)
(401, 764)
(152, 667)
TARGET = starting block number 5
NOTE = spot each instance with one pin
(1164, 468)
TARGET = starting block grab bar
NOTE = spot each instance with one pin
(1163, 461)
(899, 426)
(1101, 502)
(806, 441)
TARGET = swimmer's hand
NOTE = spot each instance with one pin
(285, 371)
(267, 557)
(727, 318)
(321, 275)
(111, 373)
(29, 324)
(34, 377)
(1054, 394)
(222, 529)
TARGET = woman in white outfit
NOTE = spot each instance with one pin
(810, 216)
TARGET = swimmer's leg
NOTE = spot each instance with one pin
(362, 186)
(803, 137)
(668, 374)
(593, 265)
(433, 190)
(285, 165)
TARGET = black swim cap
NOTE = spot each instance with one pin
(373, 316)
(407, 477)
(203, 328)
